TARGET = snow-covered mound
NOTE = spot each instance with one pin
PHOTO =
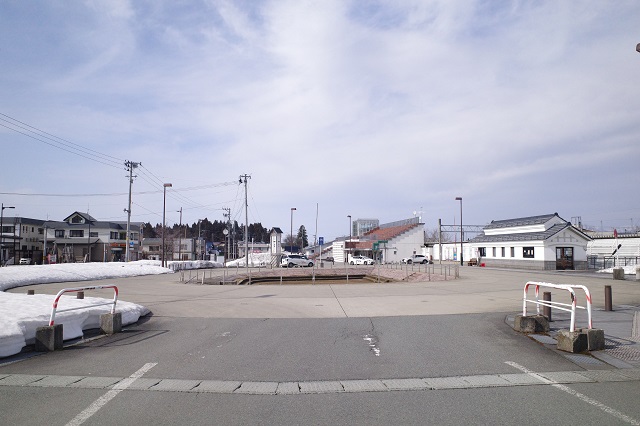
(193, 264)
(20, 275)
(255, 259)
(21, 315)
(628, 270)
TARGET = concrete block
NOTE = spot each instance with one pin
(595, 338)
(531, 324)
(49, 338)
(618, 273)
(572, 341)
(111, 323)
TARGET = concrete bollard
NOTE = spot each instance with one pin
(638, 273)
(111, 323)
(618, 273)
(31, 292)
(572, 341)
(49, 338)
(608, 304)
(546, 296)
(80, 295)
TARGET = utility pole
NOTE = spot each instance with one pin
(180, 236)
(130, 165)
(228, 236)
(246, 219)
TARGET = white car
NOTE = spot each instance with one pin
(25, 261)
(361, 260)
(291, 260)
(416, 258)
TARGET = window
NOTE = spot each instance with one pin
(482, 251)
(494, 252)
(59, 233)
(76, 233)
(502, 251)
(76, 219)
(513, 252)
(93, 234)
(527, 252)
(113, 235)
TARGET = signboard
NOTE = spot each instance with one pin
(320, 240)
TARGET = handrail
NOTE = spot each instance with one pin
(562, 306)
(54, 308)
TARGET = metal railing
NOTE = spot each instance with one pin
(55, 309)
(558, 305)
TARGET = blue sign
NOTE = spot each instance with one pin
(320, 240)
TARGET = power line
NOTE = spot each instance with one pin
(58, 142)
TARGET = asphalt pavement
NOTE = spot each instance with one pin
(398, 353)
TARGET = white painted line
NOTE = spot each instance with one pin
(100, 402)
(615, 413)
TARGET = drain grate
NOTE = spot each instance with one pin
(625, 353)
(583, 359)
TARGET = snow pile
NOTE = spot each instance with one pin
(21, 315)
(16, 276)
(628, 270)
(255, 259)
(193, 264)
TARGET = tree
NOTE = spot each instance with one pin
(302, 238)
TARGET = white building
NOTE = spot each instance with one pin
(545, 242)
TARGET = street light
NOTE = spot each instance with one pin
(461, 235)
(349, 216)
(164, 210)
(638, 48)
(292, 209)
(2, 233)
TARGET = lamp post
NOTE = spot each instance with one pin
(164, 210)
(347, 258)
(2, 233)
(292, 209)
(461, 234)
(180, 236)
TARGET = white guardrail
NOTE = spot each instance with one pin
(562, 306)
(55, 309)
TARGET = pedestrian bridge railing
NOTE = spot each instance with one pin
(55, 309)
(570, 288)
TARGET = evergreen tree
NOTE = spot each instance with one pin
(302, 238)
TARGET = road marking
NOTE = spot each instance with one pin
(615, 413)
(117, 388)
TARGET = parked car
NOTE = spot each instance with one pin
(416, 258)
(292, 260)
(361, 260)
(25, 261)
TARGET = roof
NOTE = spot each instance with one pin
(276, 230)
(527, 236)
(86, 216)
(390, 232)
(522, 221)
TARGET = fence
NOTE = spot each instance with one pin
(605, 262)
(54, 309)
(558, 305)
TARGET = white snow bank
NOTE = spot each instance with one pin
(21, 314)
(193, 264)
(628, 270)
(21, 275)
(255, 259)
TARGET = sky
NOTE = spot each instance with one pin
(376, 109)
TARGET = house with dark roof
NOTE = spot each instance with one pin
(80, 237)
(545, 242)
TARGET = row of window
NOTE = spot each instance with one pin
(77, 233)
(527, 252)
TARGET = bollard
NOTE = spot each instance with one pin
(80, 295)
(546, 296)
(31, 292)
(608, 306)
